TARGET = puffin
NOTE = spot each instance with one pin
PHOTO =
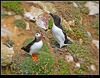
(58, 32)
(34, 46)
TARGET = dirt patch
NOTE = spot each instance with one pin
(86, 21)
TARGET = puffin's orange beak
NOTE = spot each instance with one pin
(42, 36)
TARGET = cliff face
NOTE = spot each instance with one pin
(20, 22)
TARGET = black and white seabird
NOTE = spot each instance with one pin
(58, 31)
(34, 46)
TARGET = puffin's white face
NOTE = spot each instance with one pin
(38, 35)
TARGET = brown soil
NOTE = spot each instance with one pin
(86, 21)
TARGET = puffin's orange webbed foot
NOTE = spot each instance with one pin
(34, 56)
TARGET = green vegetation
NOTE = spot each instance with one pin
(43, 65)
(81, 52)
(20, 23)
(15, 6)
(63, 67)
(3, 13)
(82, 7)
(95, 25)
(50, 23)
(78, 30)
(9, 42)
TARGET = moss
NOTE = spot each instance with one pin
(78, 71)
(15, 6)
(95, 24)
(83, 54)
(78, 50)
(50, 23)
(82, 7)
(20, 23)
(64, 68)
(78, 31)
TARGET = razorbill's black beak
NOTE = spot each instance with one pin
(51, 15)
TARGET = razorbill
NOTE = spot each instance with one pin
(58, 31)
(34, 46)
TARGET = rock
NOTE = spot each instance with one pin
(17, 17)
(27, 26)
(33, 1)
(75, 5)
(66, 24)
(77, 65)
(93, 7)
(96, 42)
(3, 11)
(70, 39)
(42, 21)
(48, 7)
(71, 23)
(69, 58)
(53, 46)
(9, 13)
(29, 16)
(80, 41)
(6, 55)
(92, 67)
(89, 34)
(5, 31)
(35, 12)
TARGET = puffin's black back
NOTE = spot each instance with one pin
(27, 48)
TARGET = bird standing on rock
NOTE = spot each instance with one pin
(58, 31)
(34, 46)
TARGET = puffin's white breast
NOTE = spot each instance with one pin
(36, 46)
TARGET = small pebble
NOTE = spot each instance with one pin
(89, 34)
(78, 65)
(93, 67)
(69, 58)
(80, 41)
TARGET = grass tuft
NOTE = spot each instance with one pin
(20, 23)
